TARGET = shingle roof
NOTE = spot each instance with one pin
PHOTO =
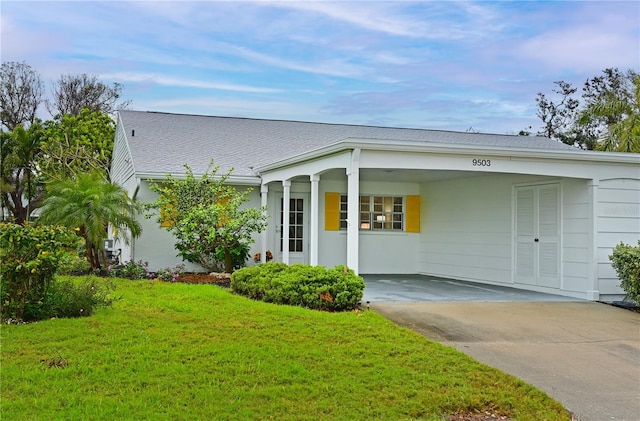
(162, 142)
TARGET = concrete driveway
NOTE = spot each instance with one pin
(584, 354)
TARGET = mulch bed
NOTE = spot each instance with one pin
(220, 279)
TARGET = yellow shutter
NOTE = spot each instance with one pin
(413, 214)
(331, 211)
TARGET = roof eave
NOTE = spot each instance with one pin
(232, 179)
(407, 146)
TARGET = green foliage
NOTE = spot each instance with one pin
(205, 216)
(77, 144)
(626, 261)
(30, 258)
(131, 270)
(315, 287)
(67, 298)
(73, 264)
(20, 184)
(90, 204)
(170, 274)
(606, 116)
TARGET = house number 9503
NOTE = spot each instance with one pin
(481, 162)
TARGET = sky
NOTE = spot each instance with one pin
(463, 66)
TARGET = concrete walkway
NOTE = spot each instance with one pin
(584, 354)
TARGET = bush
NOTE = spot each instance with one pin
(73, 264)
(169, 274)
(131, 270)
(314, 287)
(626, 261)
(68, 298)
(30, 258)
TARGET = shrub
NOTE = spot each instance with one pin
(314, 287)
(67, 298)
(626, 261)
(73, 264)
(30, 257)
(169, 274)
(131, 270)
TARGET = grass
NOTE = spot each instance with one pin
(177, 351)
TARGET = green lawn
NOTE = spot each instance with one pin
(177, 351)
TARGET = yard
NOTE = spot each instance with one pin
(185, 351)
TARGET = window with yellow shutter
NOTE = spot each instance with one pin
(377, 213)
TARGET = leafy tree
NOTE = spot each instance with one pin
(73, 93)
(20, 184)
(89, 204)
(206, 218)
(621, 115)
(20, 94)
(76, 144)
(606, 100)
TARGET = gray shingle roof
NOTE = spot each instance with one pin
(164, 142)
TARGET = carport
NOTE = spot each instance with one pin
(392, 288)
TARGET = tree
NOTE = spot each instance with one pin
(76, 144)
(621, 115)
(20, 94)
(206, 218)
(90, 204)
(606, 100)
(558, 117)
(20, 184)
(73, 93)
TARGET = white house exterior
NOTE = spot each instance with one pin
(526, 212)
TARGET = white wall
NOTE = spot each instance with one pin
(466, 229)
(576, 225)
(617, 220)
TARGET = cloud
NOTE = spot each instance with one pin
(181, 82)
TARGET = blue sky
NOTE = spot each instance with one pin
(440, 65)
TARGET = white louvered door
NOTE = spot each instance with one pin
(537, 235)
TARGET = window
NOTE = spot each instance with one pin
(376, 212)
(296, 225)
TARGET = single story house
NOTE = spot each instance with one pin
(519, 211)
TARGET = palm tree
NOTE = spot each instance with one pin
(623, 133)
(88, 203)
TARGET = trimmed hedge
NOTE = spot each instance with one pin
(314, 287)
(626, 261)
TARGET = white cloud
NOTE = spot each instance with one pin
(189, 83)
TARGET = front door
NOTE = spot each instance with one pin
(537, 235)
(298, 228)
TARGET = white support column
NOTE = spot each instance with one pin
(353, 210)
(593, 293)
(313, 228)
(286, 196)
(264, 191)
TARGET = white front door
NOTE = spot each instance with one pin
(298, 228)
(537, 235)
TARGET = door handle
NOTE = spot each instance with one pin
(536, 240)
